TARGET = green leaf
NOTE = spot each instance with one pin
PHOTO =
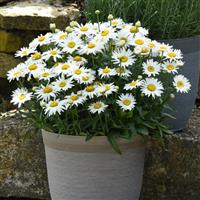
(113, 142)
(143, 130)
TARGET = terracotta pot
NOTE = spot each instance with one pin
(79, 170)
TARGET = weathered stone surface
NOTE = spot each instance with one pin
(7, 62)
(22, 162)
(173, 172)
(36, 16)
(12, 41)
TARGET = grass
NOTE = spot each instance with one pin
(166, 19)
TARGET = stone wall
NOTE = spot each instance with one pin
(21, 21)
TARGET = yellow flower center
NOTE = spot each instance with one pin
(151, 87)
(41, 38)
(53, 104)
(134, 29)
(77, 58)
(151, 68)
(71, 44)
(32, 67)
(91, 45)
(107, 88)
(62, 84)
(84, 29)
(180, 84)
(133, 83)
(145, 50)
(25, 52)
(170, 67)
(17, 74)
(97, 105)
(63, 36)
(45, 74)
(65, 67)
(77, 71)
(106, 70)
(85, 78)
(47, 89)
(163, 48)
(104, 32)
(53, 52)
(151, 45)
(172, 54)
(139, 42)
(123, 58)
(22, 97)
(36, 56)
(90, 88)
(114, 22)
(74, 97)
(126, 102)
(120, 70)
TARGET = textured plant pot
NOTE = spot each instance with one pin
(183, 103)
(79, 170)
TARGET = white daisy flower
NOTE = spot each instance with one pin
(140, 41)
(33, 69)
(126, 102)
(90, 91)
(64, 68)
(152, 87)
(162, 47)
(78, 60)
(106, 33)
(173, 54)
(124, 39)
(123, 72)
(181, 84)
(53, 107)
(86, 29)
(24, 51)
(45, 92)
(87, 78)
(35, 57)
(41, 40)
(52, 53)
(77, 72)
(107, 89)
(59, 37)
(46, 74)
(117, 22)
(106, 72)
(142, 32)
(63, 84)
(133, 84)
(170, 67)
(20, 96)
(97, 107)
(74, 99)
(151, 68)
(71, 43)
(123, 57)
(91, 47)
(16, 73)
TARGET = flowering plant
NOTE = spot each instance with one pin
(106, 78)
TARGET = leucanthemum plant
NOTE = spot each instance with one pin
(105, 78)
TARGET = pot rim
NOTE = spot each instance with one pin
(96, 144)
(179, 39)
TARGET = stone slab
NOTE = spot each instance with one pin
(7, 61)
(22, 161)
(172, 172)
(28, 15)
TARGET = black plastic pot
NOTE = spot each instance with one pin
(183, 103)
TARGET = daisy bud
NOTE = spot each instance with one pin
(79, 93)
(68, 29)
(97, 12)
(172, 96)
(70, 101)
(138, 50)
(52, 26)
(139, 77)
(142, 95)
(34, 88)
(138, 24)
(180, 63)
(73, 23)
(57, 30)
(42, 103)
(110, 17)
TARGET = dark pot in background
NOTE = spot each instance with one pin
(183, 103)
